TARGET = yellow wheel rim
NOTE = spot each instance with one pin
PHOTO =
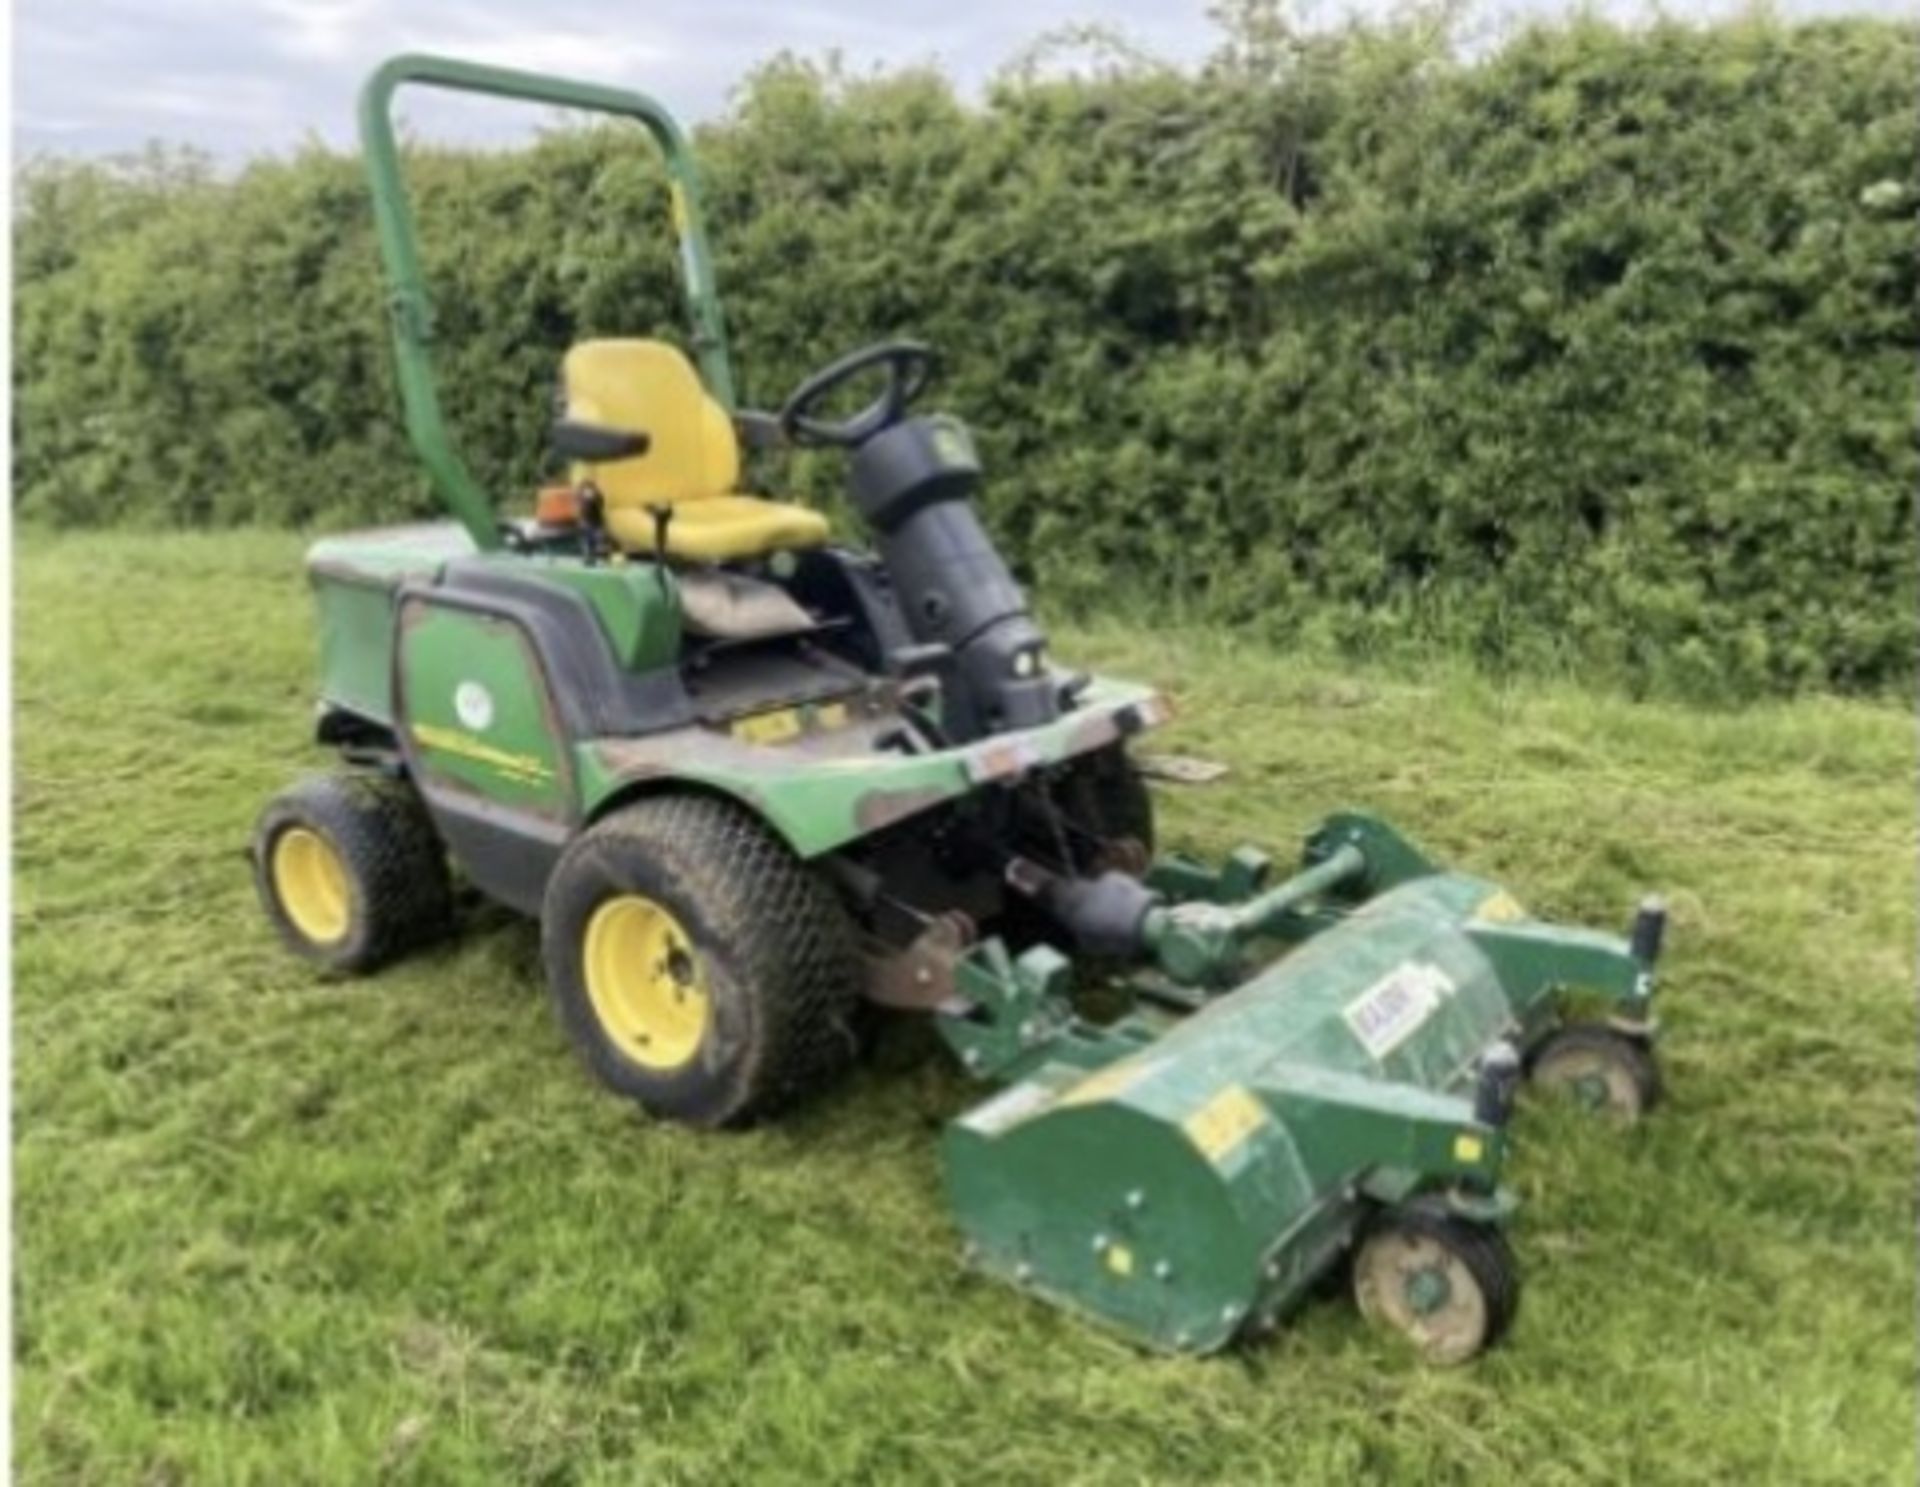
(310, 881)
(646, 982)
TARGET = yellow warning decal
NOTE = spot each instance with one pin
(1500, 908)
(524, 767)
(769, 728)
(1468, 1148)
(784, 724)
(1218, 1127)
(1119, 1259)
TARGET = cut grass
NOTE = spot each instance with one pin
(270, 1229)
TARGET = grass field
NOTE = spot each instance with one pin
(273, 1230)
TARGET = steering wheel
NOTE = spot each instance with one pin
(910, 367)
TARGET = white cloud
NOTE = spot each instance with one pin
(568, 53)
(320, 30)
(238, 77)
(36, 123)
(238, 101)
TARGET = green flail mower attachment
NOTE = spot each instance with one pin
(1314, 1069)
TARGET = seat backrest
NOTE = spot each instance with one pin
(651, 387)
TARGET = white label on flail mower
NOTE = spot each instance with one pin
(1388, 1012)
(474, 704)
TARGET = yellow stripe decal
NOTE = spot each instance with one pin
(451, 741)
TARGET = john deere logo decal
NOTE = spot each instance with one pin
(474, 704)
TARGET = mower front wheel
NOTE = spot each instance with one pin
(698, 966)
(1448, 1284)
(350, 871)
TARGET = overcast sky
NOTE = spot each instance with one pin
(240, 77)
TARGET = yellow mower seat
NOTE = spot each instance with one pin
(692, 464)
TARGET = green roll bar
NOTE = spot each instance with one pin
(406, 284)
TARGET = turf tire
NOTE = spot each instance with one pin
(775, 944)
(399, 894)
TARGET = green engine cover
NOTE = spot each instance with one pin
(357, 578)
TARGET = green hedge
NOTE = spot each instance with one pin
(1596, 351)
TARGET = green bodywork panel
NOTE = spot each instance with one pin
(826, 788)
(356, 648)
(354, 578)
(475, 702)
(1180, 1177)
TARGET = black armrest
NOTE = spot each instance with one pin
(595, 442)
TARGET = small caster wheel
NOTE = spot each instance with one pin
(1447, 1284)
(1600, 1069)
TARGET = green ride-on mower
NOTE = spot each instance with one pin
(750, 778)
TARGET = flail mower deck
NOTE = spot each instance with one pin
(749, 778)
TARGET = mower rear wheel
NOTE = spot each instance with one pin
(1599, 1068)
(1446, 1283)
(698, 966)
(350, 871)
